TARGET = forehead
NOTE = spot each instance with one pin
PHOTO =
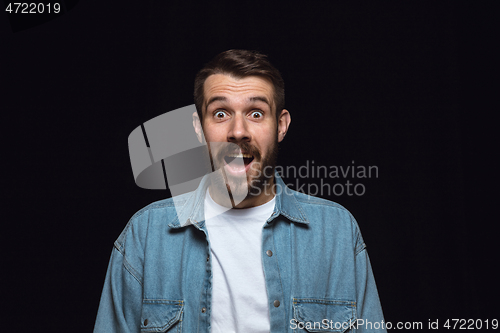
(235, 88)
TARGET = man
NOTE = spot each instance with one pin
(242, 253)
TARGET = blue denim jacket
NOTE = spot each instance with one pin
(317, 271)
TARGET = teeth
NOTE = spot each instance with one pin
(240, 155)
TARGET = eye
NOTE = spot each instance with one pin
(219, 114)
(256, 114)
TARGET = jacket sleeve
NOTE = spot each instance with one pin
(369, 311)
(121, 299)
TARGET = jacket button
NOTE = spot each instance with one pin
(276, 303)
(269, 253)
(203, 309)
(145, 322)
(208, 258)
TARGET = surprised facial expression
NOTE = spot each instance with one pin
(241, 112)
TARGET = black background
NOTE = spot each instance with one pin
(399, 86)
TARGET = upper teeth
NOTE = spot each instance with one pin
(240, 155)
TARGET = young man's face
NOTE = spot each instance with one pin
(242, 112)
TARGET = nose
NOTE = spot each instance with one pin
(238, 130)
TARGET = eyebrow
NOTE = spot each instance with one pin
(224, 99)
(215, 99)
(260, 98)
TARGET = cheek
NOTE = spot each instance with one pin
(267, 143)
(213, 134)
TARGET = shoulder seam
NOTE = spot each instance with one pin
(360, 248)
(131, 270)
(128, 267)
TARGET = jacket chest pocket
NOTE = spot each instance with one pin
(323, 315)
(159, 315)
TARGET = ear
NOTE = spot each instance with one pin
(284, 121)
(197, 127)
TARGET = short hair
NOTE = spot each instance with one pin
(240, 64)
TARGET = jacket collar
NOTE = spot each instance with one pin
(191, 210)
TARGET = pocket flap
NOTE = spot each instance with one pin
(324, 315)
(159, 315)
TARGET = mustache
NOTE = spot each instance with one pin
(244, 146)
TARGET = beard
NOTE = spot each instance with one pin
(259, 170)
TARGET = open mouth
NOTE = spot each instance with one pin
(234, 163)
(247, 158)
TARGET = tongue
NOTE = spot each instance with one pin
(237, 165)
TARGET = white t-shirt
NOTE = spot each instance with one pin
(239, 297)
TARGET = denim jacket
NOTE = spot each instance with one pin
(317, 271)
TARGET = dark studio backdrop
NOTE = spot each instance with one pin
(373, 84)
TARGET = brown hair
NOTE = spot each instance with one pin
(240, 64)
